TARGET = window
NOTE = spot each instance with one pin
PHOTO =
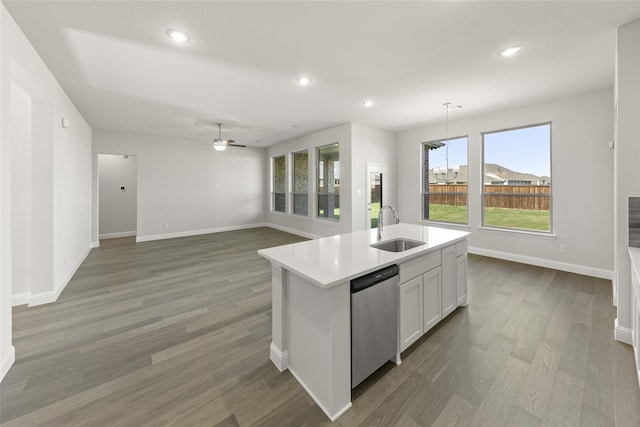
(329, 182)
(300, 181)
(517, 178)
(279, 185)
(444, 180)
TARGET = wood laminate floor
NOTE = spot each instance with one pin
(177, 333)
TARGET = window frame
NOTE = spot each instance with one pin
(317, 192)
(423, 193)
(482, 185)
(273, 183)
(293, 191)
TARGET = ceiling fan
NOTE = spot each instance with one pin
(220, 144)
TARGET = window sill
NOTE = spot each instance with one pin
(327, 220)
(445, 224)
(540, 235)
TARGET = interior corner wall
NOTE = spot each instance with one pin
(627, 159)
(59, 172)
(311, 226)
(117, 206)
(20, 131)
(7, 351)
(582, 179)
(371, 145)
(186, 188)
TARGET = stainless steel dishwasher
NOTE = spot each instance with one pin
(374, 322)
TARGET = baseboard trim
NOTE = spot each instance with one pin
(279, 358)
(622, 333)
(150, 238)
(294, 231)
(189, 233)
(117, 235)
(7, 362)
(20, 299)
(331, 416)
(49, 297)
(540, 262)
(95, 244)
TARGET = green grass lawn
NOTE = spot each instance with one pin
(375, 211)
(336, 214)
(527, 219)
(494, 217)
(448, 213)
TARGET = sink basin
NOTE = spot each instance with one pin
(397, 245)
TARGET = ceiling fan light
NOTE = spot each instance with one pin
(219, 145)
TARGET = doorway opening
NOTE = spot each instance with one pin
(376, 194)
(117, 195)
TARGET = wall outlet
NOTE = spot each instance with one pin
(562, 249)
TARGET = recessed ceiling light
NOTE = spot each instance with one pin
(368, 103)
(178, 36)
(510, 51)
(304, 80)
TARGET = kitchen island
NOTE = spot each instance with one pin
(311, 306)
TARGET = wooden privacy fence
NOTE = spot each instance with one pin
(536, 197)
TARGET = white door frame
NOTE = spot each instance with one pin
(378, 168)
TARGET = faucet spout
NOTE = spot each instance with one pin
(381, 219)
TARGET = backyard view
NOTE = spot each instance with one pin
(527, 219)
(516, 178)
(509, 206)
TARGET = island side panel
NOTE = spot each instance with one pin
(278, 352)
(319, 333)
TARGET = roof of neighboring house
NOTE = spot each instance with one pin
(492, 173)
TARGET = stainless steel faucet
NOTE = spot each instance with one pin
(380, 219)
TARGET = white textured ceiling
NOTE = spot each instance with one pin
(116, 63)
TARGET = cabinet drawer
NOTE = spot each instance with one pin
(461, 248)
(418, 266)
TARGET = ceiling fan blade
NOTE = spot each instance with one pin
(235, 145)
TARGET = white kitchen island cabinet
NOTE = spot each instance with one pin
(449, 302)
(411, 312)
(311, 301)
(431, 287)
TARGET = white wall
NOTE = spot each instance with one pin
(20, 130)
(627, 159)
(57, 173)
(582, 179)
(7, 351)
(370, 145)
(311, 226)
(117, 208)
(186, 188)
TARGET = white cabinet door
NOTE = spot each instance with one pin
(431, 301)
(410, 312)
(461, 279)
(448, 280)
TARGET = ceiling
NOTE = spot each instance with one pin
(117, 64)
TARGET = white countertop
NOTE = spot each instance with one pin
(332, 260)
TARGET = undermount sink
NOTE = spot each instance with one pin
(397, 245)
